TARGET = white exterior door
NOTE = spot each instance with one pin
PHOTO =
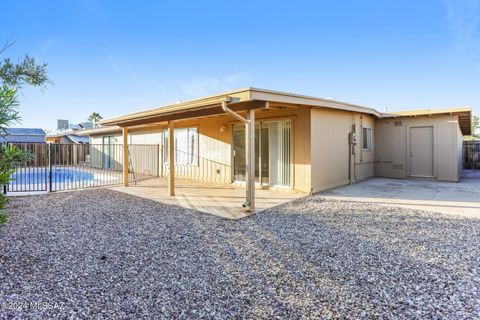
(421, 151)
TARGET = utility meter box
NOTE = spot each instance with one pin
(353, 138)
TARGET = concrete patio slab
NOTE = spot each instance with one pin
(462, 198)
(218, 199)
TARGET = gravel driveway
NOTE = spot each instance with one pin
(111, 255)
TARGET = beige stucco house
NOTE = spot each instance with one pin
(296, 142)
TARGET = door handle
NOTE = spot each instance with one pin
(411, 154)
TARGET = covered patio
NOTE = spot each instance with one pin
(208, 154)
(218, 199)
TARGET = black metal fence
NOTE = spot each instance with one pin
(58, 167)
(471, 154)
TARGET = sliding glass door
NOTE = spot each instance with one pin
(272, 152)
(277, 152)
(108, 152)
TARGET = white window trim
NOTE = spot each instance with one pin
(196, 155)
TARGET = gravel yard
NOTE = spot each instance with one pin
(100, 252)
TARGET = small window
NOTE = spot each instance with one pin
(186, 146)
(367, 138)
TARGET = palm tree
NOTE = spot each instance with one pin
(95, 117)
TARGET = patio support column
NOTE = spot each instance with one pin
(250, 159)
(125, 156)
(171, 159)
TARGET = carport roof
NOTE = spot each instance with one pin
(464, 116)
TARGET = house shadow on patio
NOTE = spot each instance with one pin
(217, 199)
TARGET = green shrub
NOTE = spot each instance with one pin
(12, 77)
(10, 156)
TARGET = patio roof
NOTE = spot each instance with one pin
(255, 98)
(100, 130)
(239, 100)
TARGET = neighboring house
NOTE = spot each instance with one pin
(67, 138)
(24, 135)
(300, 142)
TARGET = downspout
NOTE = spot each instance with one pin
(249, 203)
(233, 113)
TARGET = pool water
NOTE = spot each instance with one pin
(40, 175)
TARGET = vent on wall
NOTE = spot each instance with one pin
(398, 123)
(398, 166)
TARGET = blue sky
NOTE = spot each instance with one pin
(115, 57)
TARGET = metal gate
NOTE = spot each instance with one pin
(58, 167)
(471, 154)
(31, 175)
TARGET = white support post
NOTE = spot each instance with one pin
(171, 159)
(250, 160)
(125, 156)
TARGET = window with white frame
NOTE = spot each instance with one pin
(367, 138)
(185, 146)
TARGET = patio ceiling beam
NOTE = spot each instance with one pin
(169, 109)
(175, 116)
(195, 113)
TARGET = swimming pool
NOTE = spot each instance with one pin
(31, 179)
(40, 176)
